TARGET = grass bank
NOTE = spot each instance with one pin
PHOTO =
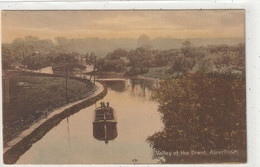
(31, 96)
(13, 154)
(157, 73)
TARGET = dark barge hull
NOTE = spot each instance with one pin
(102, 128)
(105, 124)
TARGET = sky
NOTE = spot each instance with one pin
(123, 24)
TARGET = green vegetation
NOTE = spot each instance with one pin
(170, 63)
(31, 96)
(201, 112)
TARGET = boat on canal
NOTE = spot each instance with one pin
(105, 123)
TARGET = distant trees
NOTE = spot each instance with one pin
(140, 60)
(184, 61)
(239, 57)
(114, 61)
(132, 63)
(34, 53)
(228, 59)
(186, 48)
(163, 57)
(182, 64)
(69, 58)
(219, 48)
(144, 41)
(30, 52)
(218, 58)
(90, 58)
(7, 57)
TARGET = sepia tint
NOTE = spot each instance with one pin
(124, 87)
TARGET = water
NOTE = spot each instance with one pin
(72, 141)
(47, 70)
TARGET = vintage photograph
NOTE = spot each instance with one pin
(123, 87)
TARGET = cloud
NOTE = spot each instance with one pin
(118, 24)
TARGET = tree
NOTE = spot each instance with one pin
(201, 112)
(140, 60)
(114, 61)
(117, 54)
(144, 41)
(239, 60)
(67, 58)
(7, 58)
(186, 48)
(30, 50)
(162, 58)
(90, 58)
(182, 64)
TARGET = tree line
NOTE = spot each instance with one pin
(219, 58)
(34, 53)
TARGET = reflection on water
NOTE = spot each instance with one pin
(144, 84)
(47, 70)
(77, 144)
(136, 87)
(116, 85)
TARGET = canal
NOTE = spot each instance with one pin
(72, 141)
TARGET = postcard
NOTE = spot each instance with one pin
(124, 87)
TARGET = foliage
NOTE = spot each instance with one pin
(157, 72)
(114, 61)
(201, 112)
(163, 57)
(183, 65)
(90, 58)
(139, 60)
(34, 53)
(186, 48)
(144, 41)
(7, 58)
(220, 58)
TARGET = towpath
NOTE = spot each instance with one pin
(35, 125)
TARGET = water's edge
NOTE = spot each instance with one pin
(14, 153)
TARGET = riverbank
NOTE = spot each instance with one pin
(158, 73)
(118, 76)
(110, 74)
(154, 73)
(34, 96)
(25, 140)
